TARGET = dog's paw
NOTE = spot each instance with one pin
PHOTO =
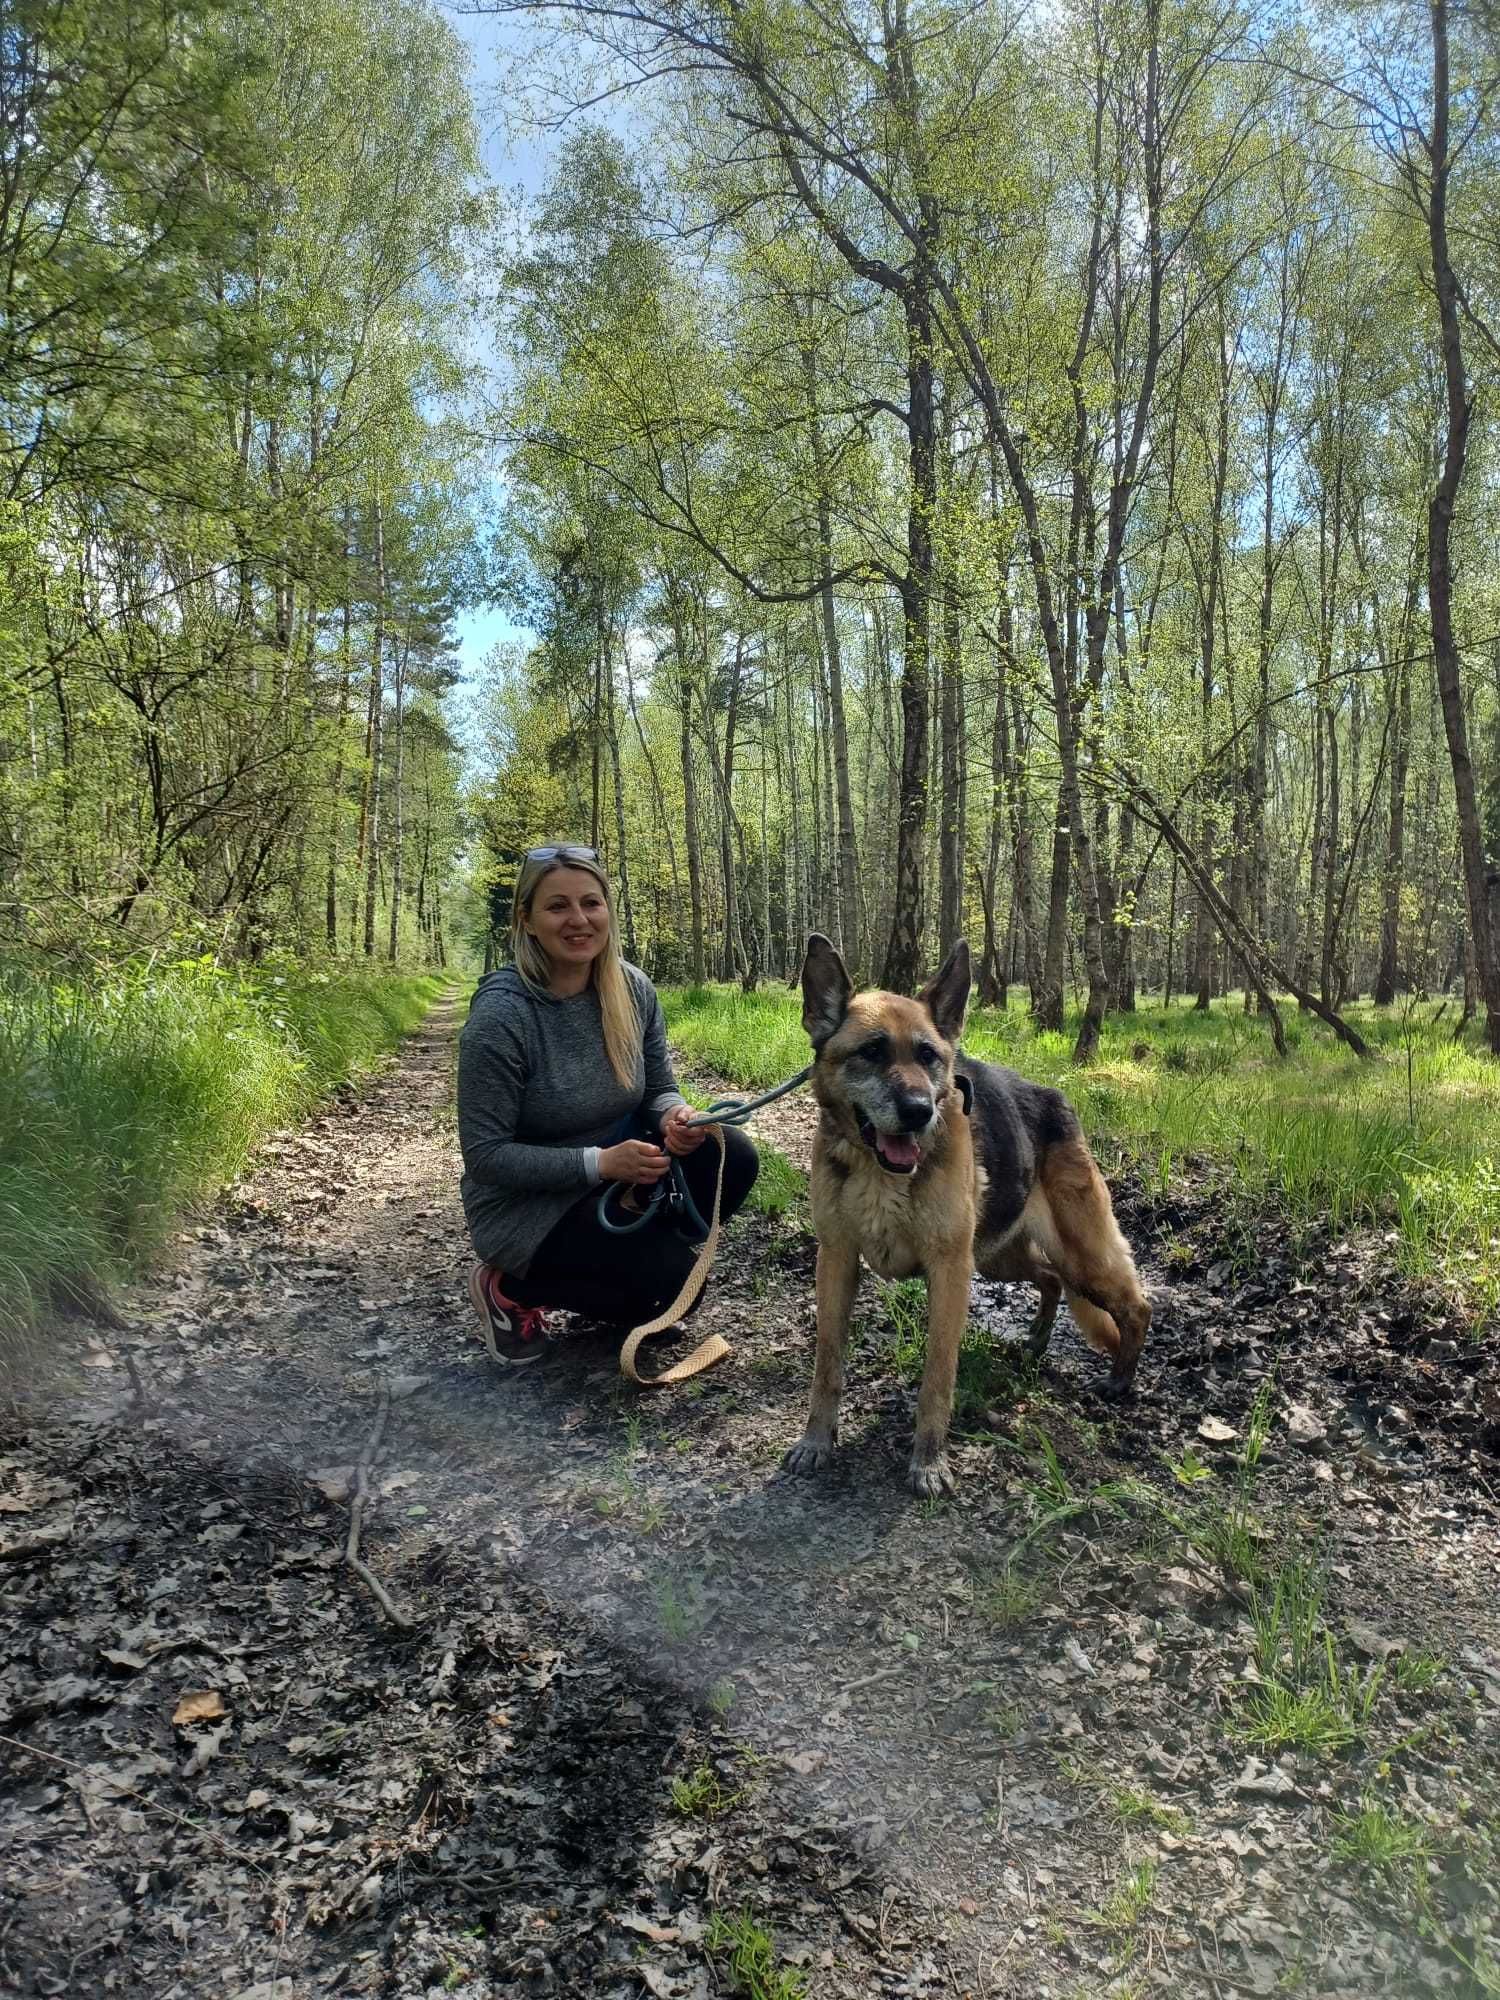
(808, 1454)
(1118, 1388)
(931, 1480)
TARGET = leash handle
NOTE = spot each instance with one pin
(708, 1352)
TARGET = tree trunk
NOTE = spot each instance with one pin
(376, 728)
(397, 812)
(903, 967)
(1481, 872)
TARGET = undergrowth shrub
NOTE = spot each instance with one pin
(126, 1097)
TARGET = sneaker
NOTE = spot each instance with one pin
(513, 1334)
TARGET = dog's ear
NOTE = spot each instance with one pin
(826, 989)
(946, 997)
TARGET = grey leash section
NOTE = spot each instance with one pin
(737, 1110)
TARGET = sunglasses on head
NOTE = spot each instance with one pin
(565, 852)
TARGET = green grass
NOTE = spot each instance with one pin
(779, 1184)
(1403, 1144)
(749, 1956)
(127, 1098)
(1308, 1697)
(1381, 1844)
(700, 1795)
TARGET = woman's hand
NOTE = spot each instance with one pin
(635, 1161)
(678, 1136)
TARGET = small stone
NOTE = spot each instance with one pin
(1372, 1644)
(1268, 1779)
(1304, 1427)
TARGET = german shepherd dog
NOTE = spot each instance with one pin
(928, 1161)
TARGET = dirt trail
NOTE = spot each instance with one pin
(929, 1749)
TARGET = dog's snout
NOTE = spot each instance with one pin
(914, 1109)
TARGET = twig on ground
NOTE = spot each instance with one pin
(143, 1399)
(151, 1805)
(357, 1515)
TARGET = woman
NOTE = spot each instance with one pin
(564, 1086)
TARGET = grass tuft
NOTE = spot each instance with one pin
(126, 1098)
(749, 1954)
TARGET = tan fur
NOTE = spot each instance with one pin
(1065, 1241)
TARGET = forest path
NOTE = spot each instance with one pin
(929, 1749)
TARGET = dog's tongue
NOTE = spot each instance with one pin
(900, 1152)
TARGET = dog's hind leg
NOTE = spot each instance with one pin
(1080, 1236)
(947, 1316)
(1017, 1260)
(1049, 1286)
(838, 1277)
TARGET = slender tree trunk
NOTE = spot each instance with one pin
(848, 938)
(622, 855)
(689, 789)
(1481, 871)
(951, 813)
(1389, 977)
(376, 729)
(397, 806)
(902, 968)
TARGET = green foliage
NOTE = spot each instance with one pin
(779, 1185)
(1383, 1845)
(749, 1955)
(235, 523)
(701, 1796)
(1307, 1696)
(125, 1098)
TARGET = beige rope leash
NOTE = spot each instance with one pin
(708, 1352)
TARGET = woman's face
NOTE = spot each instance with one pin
(569, 917)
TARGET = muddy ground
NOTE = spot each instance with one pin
(994, 1746)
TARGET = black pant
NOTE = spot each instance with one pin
(582, 1267)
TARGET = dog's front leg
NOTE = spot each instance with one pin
(838, 1274)
(947, 1316)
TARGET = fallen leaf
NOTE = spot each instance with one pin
(206, 1749)
(1374, 1645)
(658, 1933)
(805, 1762)
(334, 1482)
(198, 1705)
(1216, 1431)
(1078, 1656)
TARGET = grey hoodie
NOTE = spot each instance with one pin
(537, 1099)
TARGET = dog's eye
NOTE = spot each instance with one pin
(926, 1054)
(875, 1050)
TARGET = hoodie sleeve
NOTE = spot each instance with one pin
(662, 1093)
(491, 1078)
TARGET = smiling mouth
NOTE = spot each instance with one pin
(897, 1152)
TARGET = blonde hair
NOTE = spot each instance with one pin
(623, 1029)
